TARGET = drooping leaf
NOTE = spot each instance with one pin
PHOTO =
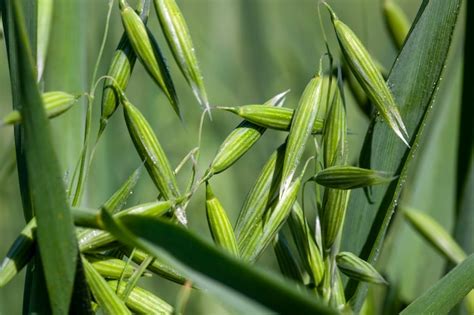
(221, 274)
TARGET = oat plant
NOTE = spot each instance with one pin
(325, 215)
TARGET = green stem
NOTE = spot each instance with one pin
(83, 162)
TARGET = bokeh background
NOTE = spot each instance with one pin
(249, 50)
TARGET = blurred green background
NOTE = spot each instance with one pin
(249, 50)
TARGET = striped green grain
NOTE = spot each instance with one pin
(308, 251)
(219, 224)
(103, 293)
(179, 40)
(436, 235)
(141, 301)
(110, 267)
(300, 130)
(240, 141)
(55, 103)
(120, 71)
(278, 118)
(148, 52)
(276, 218)
(249, 226)
(334, 211)
(350, 177)
(335, 133)
(369, 77)
(152, 154)
(358, 269)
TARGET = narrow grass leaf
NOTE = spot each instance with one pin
(55, 103)
(148, 52)
(397, 22)
(278, 118)
(179, 40)
(219, 225)
(142, 301)
(210, 269)
(358, 269)
(350, 177)
(103, 293)
(435, 235)
(56, 238)
(300, 130)
(249, 226)
(447, 292)
(369, 77)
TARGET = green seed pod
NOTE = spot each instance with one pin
(110, 267)
(369, 77)
(142, 301)
(436, 235)
(397, 22)
(19, 254)
(249, 226)
(219, 225)
(289, 265)
(55, 103)
(334, 211)
(350, 177)
(335, 133)
(96, 239)
(240, 141)
(149, 53)
(103, 293)
(358, 269)
(300, 130)
(157, 266)
(308, 251)
(179, 40)
(150, 151)
(277, 217)
(338, 298)
(120, 70)
(120, 197)
(278, 118)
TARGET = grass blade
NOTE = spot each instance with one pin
(56, 237)
(447, 292)
(211, 269)
(430, 39)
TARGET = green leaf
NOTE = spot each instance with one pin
(56, 238)
(413, 80)
(211, 269)
(447, 292)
